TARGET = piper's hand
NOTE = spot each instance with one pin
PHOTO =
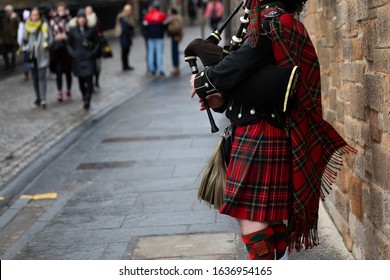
(214, 101)
(192, 85)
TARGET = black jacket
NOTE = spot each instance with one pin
(84, 48)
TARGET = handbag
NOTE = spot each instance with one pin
(212, 186)
(106, 49)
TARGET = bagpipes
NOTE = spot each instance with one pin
(212, 185)
(274, 84)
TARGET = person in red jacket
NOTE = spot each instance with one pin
(155, 29)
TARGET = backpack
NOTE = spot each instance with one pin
(175, 27)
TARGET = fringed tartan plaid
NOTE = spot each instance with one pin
(316, 147)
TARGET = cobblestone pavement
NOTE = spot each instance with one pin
(28, 131)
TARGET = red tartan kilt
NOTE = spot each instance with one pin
(258, 179)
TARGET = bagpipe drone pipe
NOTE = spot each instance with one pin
(274, 85)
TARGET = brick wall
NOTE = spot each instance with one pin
(352, 38)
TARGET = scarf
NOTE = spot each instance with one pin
(59, 23)
(34, 27)
(317, 148)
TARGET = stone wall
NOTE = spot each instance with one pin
(352, 39)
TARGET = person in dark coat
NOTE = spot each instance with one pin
(83, 45)
(9, 26)
(125, 27)
(60, 61)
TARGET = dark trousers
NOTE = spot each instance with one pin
(7, 48)
(86, 88)
(39, 81)
(68, 75)
(175, 53)
(125, 57)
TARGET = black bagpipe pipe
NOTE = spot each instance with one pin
(284, 79)
(210, 54)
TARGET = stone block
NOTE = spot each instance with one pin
(369, 39)
(375, 130)
(381, 166)
(324, 57)
(387, 92)
(357, 230)
(386, 117)
(361, 9)
(335, 71)
(337, 50)
(373, 87)
(354, 130)
(383, 244)
(342, 204)
(370, 245)
(376, 206)
(386, 209)
(353, 72)
(381, 61)
(359, 102)
(353, 49)
(383, 26)
(355, 194)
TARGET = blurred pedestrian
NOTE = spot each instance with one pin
(155, 29)
(175, 31)
(214, 12)
(145, 35)
(60, 60)
(22, 47)
(83, 45)
(37, 39)
(125, 24)
(192, 5)
(94, 22)
(9, 36)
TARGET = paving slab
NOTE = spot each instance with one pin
(193, 246)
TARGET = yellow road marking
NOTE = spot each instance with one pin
(40, 196)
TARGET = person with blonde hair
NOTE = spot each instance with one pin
(125, 24)
(37, 40)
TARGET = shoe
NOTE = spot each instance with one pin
(43, 104)
(26, 76)
(60, 97)
(69, 95)
(162, 74)
(129, 68)
(37, 102)
(151, 74)
(175, 71)
(86, 106)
